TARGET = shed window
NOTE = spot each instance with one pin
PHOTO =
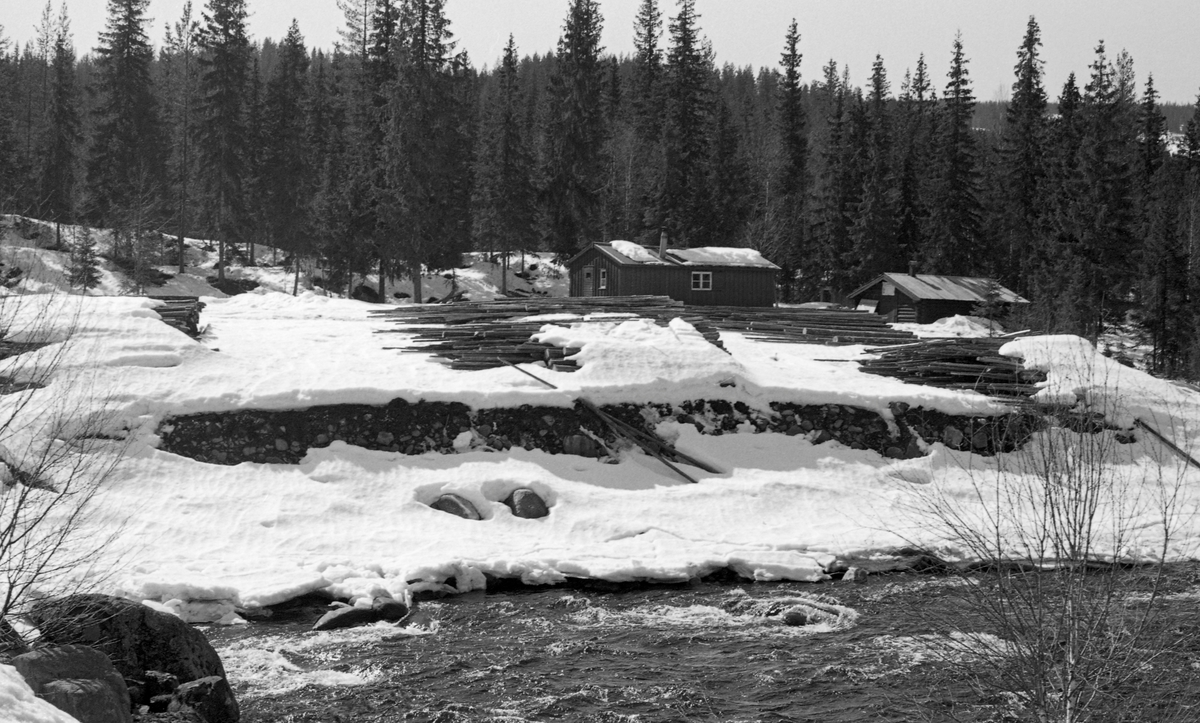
(701, 281)
(889, 289)
(603, 278)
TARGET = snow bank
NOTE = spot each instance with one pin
(1078, 376)
(957, 325)
(640, 353)
(204, 540)
(20, 705)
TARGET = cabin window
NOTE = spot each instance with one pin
(701, 281)
(889, 289)
(603, 278)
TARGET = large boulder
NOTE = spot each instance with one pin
(346, 617)
(87, 701)
(77, 680)
(210, 697)
(365, 293)
(134, 637)
(456, 505)
(389, 609)
(526, 503)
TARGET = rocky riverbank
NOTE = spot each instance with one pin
(284, 437)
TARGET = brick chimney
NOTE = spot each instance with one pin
(662, 245)
(912, 268)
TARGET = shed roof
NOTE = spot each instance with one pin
(633, 254)
(945, 288)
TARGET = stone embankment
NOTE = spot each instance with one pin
(284, 437)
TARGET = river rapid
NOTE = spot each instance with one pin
(706, 651)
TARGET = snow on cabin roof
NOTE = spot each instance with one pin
(721, 256)
(634, 252)
(628, 252)
(947, 288)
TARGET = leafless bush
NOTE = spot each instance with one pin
(1071, 534)
(59, 442)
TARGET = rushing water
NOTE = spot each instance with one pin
(698, 652)
(704, 652)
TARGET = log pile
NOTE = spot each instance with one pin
(488, 334)
(831, 327)
(974, 364)
(180, 312)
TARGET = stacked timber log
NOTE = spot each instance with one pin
(831, 327)
(967, 363)
(488, 334)
(180, 312)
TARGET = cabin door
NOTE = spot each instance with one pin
(589, 281)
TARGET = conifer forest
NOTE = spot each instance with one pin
(393, 151)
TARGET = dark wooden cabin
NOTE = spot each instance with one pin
(706, 276)
(925, 298)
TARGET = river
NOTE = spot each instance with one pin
(706, 651)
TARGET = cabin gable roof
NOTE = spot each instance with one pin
(627, 253)
(942, 288)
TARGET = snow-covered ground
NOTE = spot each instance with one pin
(204, 539)
(957, 325)
(19, 705)
(25, 244)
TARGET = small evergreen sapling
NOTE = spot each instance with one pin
(990, 307)
(84, 270)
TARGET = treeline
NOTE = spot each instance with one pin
(392, 152)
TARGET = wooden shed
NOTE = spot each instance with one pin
(925, 298)
(705, 276)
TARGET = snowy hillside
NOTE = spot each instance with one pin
(32, 264)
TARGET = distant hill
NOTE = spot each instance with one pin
(989, 115)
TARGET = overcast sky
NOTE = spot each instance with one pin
(1160, 34)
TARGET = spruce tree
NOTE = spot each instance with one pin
(912, 142)
(793, 123)
(222, 130)
(381, 72)
(426, 217)
(180, 93)
(647, 69)
(1153, 136)
(1191, 135)
(1103, 215)
(874, 225)
(637, 150)
(61, 135)
(504, 196)
(127, 152)
(839, 183)
(686, 129)
(83, 270)
(12, 170)
(254, 191)
(955, 244)
(575, 133)
(1023, 152)
(793, 168)
(728, 179)
(1054, 266)
(286, 181)
(1168, 305)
